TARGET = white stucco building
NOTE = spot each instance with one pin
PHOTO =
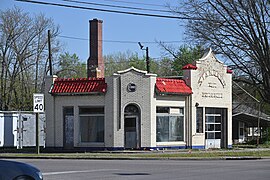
(134, 109)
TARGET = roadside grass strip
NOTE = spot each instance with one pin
(207, 154)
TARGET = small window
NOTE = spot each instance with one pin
(68, 111)
(163, 110)
(199, 120)
(91, 110)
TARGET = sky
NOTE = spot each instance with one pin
(117, 28)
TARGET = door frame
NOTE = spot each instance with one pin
(133, 114)
(137, 134)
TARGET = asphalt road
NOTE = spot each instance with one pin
(153, 169)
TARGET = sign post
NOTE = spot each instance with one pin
(38, 106)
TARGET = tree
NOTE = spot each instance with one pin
(182, 56)
(23, 56)
(70, 66)
(164, 67)
(237, 29)
(121, 61)
(186, 55)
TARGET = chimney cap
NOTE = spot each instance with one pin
(96, 20)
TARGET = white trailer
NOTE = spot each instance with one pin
(18, 129)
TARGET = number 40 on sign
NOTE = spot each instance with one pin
(38, 101)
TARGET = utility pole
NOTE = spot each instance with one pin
(50, 54)
(147, 60)
(147, 57)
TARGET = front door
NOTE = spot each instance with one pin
(69, 132)
(131, 133)
(68, 127)
(132, 127)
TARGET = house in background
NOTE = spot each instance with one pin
(134, 109)
(248, 123)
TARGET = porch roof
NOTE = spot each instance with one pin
(78, 86)
(249, 115)
(172, 86)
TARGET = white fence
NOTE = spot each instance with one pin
(18, 129)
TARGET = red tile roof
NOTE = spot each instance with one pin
(172, 86)
(98, 85)
(189, 66)
(79, 86)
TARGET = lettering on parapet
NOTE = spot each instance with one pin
(212, 95)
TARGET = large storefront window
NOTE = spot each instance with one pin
(170, 124)
(92, 124)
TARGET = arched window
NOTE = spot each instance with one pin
(131, 109)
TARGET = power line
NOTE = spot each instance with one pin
(137, 3)
(117, 6)
(119, 41)
(106, 10)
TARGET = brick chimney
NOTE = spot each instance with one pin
(95, 63)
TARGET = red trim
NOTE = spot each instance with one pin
(189, 66)
(79, 85)
(172, 86)
(229, 71)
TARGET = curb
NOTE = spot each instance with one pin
(133, 158)
(242, 158)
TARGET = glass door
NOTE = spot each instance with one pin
(212, 130)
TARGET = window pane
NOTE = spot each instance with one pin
(181, 111)
(176, 128)
(131, 109)
(68, 111)
(210, 127)
(162, 129)
(218, 127)
(91, 110)
(130, 122)
(218, 135)
(218, 119)
(210, 135)
(210, 119)
(199, 119)
(170, 128)
(209, 110)
(241, 131)
(162, 109)
(92, 128)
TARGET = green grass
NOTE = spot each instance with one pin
(207, 154)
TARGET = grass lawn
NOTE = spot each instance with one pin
(177, 154)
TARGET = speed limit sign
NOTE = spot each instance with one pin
(38, 100)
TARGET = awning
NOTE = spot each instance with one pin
(172, 86)
(78, 86)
